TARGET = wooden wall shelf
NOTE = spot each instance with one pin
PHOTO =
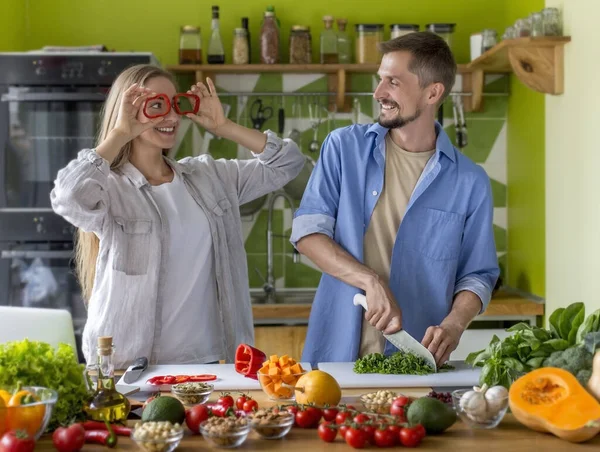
(537, 62)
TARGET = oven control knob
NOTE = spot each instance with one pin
(68, 230)
(102, 71)
(40, 70)
(40, 228)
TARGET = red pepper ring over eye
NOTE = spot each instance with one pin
(160, 105)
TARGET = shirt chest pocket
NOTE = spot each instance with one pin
(438, 234)
(132, 245)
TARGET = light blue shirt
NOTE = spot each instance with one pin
(445, 243)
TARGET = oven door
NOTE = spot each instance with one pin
(42, 276)
(41, 130)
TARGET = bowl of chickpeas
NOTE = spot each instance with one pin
(157, 436)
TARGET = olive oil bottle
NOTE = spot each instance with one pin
(105, 403)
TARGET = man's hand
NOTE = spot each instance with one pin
(384, 312)
(441, 341)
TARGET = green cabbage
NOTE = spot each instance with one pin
(39, 364)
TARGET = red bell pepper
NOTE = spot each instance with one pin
(248, 360)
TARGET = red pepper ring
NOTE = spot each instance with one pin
(192, 99)
(166, 105)
(160, 105)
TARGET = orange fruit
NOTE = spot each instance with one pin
(318, 387)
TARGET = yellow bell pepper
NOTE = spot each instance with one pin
(5, 396)
(3, 416)
(21, 417)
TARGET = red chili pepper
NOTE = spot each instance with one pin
(203, 377)
(181, 379)
(248, 360)
(104, 437)
(118, 429)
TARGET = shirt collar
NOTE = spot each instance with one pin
(442, 144)
(138, 179)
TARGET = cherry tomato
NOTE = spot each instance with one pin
(401, 400)
(420, 430)
(355, 438)
(394, 429)
(341, 417)
(315, 415)
(196, 416)
(350, 408)
(250, 405)
(397, 410)
(369, 432)
(17, 441)
(385, 438)
(343, 429)
(326, 432)
(361, 418)
(239, 403)
(292, 409)
(409, 437)
(225, 400)
(329, 414)
(69, 439)
(304, 419)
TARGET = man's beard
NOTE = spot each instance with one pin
(398, 121)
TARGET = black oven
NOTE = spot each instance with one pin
(50, 104)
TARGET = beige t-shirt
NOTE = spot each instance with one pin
(402, 171)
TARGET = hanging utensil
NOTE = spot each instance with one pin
(314, 110)
(295, 134)
(463, 123)
(260, 114)
(281, 117)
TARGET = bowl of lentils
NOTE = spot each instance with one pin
(225, 432)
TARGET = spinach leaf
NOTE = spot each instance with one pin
(555, 321)
(558, 344)
(571, 318)
(590, 325)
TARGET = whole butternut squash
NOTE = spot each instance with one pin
(552, 400)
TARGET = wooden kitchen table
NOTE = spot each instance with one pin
(509, 436)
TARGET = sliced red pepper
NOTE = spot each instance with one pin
(181, 379)
(248, 360)
(203, 377)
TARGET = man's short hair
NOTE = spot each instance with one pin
(432, 60)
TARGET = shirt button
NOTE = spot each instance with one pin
(374, 192)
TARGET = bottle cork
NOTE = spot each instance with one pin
(105, 345)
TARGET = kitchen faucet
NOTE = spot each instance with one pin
(269, 285)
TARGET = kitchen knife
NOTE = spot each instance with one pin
(401, 339)
(134, 371)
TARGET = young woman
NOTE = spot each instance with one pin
(160, 253)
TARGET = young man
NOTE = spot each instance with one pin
(394, 211)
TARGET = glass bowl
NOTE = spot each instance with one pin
(229, 439)
(379, 402)
(489, 420)
(191, 394)
(274, 429)
(31, 417)
(279, 388)
(167, 442)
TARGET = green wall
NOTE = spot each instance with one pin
(153, 25)
(12, 25)
(526, 180)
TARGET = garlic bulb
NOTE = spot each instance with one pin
(497, 399)
(473, 403)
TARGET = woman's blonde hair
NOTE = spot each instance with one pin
(87, 243)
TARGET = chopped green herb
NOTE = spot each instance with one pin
(398, 363)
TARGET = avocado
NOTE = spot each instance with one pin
(433, 414)
(164, 409)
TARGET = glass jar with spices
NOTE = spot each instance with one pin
(368, 37)
(190, 45)
(489, 39)
(552, 23)
(329, 50)
(537, 24)
(269, 39)
(300, 45)
(397, 30)
(344, 43)
(522, 28)
(241, 53)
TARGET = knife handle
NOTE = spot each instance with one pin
(140, 363)
(360, 299)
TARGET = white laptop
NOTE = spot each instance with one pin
(37, 324)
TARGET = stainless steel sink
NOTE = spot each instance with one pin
(284, 296)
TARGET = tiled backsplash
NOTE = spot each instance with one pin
(486, 146)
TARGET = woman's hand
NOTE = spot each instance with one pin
(128, 124)
(210, 114)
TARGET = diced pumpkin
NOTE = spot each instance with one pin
(264, 369)
(283, 361)
(274, 359)
(551, 400)
(289, 379)
(296, 369)
(267, 362)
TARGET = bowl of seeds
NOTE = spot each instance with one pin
(272, 425)
(157, 436)
(192, 393)
(378, 402)
(225, 432)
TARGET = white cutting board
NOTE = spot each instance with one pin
(462, 375)
(227, 378)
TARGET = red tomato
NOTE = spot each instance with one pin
(401, 400)
(292, 409)
(239, 403)
(326, 432)
(385, 438)
(343, 429)
(196, 416)
(397, 410)
(341, 417)
(315, 414)
(225, 400)
(69, 439)
(329, 414)
(304, 419)
(369, 432)
(394, 429)
(250, 405)
(355, 438)
(18, 441)
(420, 430)
(409, 437)
(350, 408)
(361, 418)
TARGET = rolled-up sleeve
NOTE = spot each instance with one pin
(478, 268)
(319, 205)
(80, 193)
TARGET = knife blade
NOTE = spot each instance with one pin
(134, 371)
(401, 339)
